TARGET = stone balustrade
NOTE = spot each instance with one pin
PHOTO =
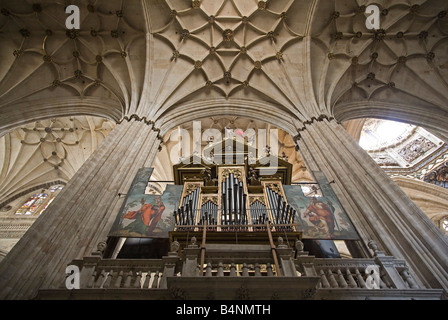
(357, 273)
(380, 272)
(98, 273)
(225, 266)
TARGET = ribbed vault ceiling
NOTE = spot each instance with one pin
(150, 57)
(47, 150)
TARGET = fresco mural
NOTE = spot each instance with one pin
(151, 216)
(320, 217)
(144, 215)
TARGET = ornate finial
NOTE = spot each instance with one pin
(174, 247)
(299, 245)
(373, 245)
(281, 243)
(193, 244)
(100, 248)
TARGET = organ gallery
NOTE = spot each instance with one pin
(223, 150)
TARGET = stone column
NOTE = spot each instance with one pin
(378, 208)
(82, 213)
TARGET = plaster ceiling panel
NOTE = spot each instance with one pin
(229, 9)
(214, 67)
(12, 80)
(181, 5)
(284, 37)
(211, 7)
(133, 15)
(298, 15)
(242, 68)
(163, 60)
(441, 60)
(171, 33)
(195, 79)
(157, 14)
(193, 49)
(193, 20)
(176, 79)
(265, 21)
(281, 82)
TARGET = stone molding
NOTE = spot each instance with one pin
(320, 118)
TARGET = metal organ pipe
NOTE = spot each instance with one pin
(186, 214)
(224, 202)
(190, 213)
(271, 198)
(182, 214)
(282, 212)
(209, 211)
(233, 208)
(233, 201)
(244, 213)
(258, 214)
(278, 206)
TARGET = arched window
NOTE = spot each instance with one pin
(32, 204)
(37, 203)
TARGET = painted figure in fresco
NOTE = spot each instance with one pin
(321, 215)
(146, 218)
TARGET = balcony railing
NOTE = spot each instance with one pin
(228, 266)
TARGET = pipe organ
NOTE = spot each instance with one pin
(234, 205)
